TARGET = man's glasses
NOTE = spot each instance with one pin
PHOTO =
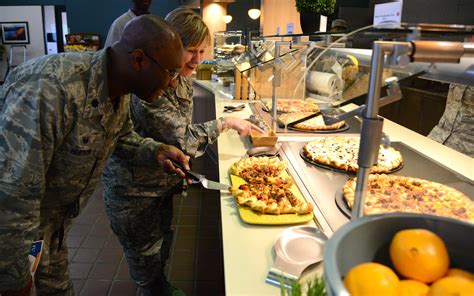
(173, 74)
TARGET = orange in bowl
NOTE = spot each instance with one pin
(460, 273)
(371, 279)
(412, 288)
(419, 254)
(457, 286)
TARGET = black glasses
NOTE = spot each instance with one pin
(173, 74)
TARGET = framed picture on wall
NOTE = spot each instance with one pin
(15, 33)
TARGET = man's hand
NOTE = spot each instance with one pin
(25, 291)
(167, 152)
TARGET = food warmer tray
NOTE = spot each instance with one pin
(323, 184)
(256, 107)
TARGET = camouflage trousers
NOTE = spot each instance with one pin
(143, 227)
(52, 275)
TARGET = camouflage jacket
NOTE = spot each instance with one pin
(57, 128)
(456, 127)
(168, 120)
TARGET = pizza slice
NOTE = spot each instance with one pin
(270, 199)
(261, 170)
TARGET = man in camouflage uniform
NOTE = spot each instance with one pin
(456, 127)
(61, 117)
(139, 199)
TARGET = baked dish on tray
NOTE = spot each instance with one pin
(289, 106)
(394, 193)
(267, 188)
(342, 152)
(312, 124)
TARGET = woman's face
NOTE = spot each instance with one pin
(193, 56)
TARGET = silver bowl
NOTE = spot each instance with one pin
(367, 240)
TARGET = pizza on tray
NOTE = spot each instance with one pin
(342, 153)
(270, 199)
(268, 189)
(261, 170)
(394, 193)
(289, 106)
(312, 124)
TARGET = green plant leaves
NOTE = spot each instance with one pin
(324, 7)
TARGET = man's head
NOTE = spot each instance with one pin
(140, 7)
(150, 53)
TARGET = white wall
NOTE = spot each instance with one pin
(50, 27)
(32, 15)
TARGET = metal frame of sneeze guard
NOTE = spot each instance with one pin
(397, 53)
(277, 68)
(276, 81)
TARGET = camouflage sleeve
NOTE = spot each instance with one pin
(199, 136)
(31, 124)
(135, 148)
(167, 121)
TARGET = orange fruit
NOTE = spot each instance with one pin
(412, 288)
(452, 286)
(419, 254)
(371, 279)
(460, 273)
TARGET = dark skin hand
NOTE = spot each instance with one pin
(167, 152)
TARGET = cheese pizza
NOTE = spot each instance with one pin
(288, 106)
(312, 124)
(342, 153)
(394, 193)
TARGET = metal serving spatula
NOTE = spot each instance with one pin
(199, 178)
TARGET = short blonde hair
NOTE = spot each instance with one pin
(189, 25)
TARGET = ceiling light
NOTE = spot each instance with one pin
(254, 13)
(227, 18)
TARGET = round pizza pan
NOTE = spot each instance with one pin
(320, 165)
(345, 127)
(342, 204)
(327, 167)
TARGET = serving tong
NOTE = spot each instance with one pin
(231, 108)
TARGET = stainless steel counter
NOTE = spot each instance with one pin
(247, 248)
(324, 185)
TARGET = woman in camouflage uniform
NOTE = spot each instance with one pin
(139, 199)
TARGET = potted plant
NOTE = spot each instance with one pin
(311, 11)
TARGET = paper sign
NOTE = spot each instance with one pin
(323, 23)
(388, 15)
(290, 28)
(35, 255)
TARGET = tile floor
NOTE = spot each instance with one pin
(97, 264)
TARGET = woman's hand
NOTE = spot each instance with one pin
(243, 127)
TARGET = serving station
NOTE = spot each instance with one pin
(251, 249)
(248, 249)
